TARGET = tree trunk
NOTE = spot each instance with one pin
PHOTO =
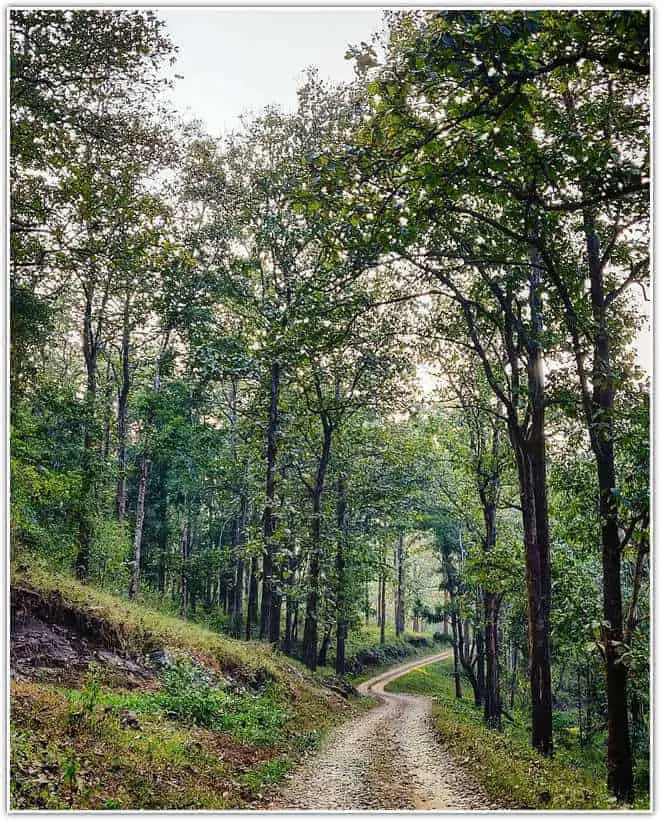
(530, 452)
(479, 651)
(400, 603)
(598, 410)
(145, 465)
(268, 625)
(184, 548)
(310, 631)
(382, 631)
(492, 702)
(340, 572)
(515, 670)
(251, 610)
(620, 765)
(538, 588)
(122, 414)
(325, 642)
(88, 502)
(237, 599)
(134, 587)
(378, 600)
(289, 623)
(294, 630)
(107, 412)
(466, 660)
(455, 654)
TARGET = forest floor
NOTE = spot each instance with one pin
(388, 758)
(115, 705)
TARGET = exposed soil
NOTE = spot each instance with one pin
(50, 641)
(388, 758)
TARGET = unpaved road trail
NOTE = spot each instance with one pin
(386, 759)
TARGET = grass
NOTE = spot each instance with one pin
(197, 748)
(92, 762)
(504, 763)
(140, 629)
(225, 722)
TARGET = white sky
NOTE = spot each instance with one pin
(235, 60)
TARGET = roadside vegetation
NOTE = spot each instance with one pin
(213, 727)
(502, 761)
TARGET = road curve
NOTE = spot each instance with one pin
(387, 758)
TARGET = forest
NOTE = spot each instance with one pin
(372, 364)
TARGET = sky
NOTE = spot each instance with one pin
(234, 60)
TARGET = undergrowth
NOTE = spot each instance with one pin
(187, 698)
(223, 722)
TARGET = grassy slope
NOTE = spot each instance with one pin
(70, 750)
(504, 763)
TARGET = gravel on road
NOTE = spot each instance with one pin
(386, 759)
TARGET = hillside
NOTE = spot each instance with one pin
(117, 706)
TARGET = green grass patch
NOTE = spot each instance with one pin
(267, 773)
(510, 771)
(188, 699)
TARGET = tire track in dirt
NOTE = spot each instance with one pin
(386, 759)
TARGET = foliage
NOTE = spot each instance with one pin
(373, 357)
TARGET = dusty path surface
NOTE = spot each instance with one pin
(387, 758)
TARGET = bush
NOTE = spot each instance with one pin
(111, 549)
(189, 696)
(418, 641)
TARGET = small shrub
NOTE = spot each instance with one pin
(188, 697)
(110, 804)
(109, 556)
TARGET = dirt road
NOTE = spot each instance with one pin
(387, 758)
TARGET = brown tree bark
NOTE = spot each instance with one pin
(145, 465)
(382, 596)
(310, 631)
(527, 437)
(236, 623)
(134, 587)
(251, 608)
(340, 572)
(87, 506)
(455, 654)
(325, 643)
(122, 413)
(492, 700)
(269, 624)
(400, 603)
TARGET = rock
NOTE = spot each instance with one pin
(160, 658)
(129, 719)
